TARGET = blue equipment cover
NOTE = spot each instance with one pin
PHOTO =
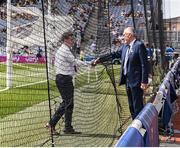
(149, 118)
(131, 138)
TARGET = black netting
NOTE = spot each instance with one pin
(30, 37)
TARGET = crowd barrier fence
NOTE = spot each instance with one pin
(143, 131)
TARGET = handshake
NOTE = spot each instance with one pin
(94, 62)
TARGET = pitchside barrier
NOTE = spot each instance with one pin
(24, 59)
(143, 131)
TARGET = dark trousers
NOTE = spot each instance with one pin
(135, 100)
(65, 86)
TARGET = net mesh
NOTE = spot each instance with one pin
(28, 93)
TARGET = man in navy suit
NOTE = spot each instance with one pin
(134, 69)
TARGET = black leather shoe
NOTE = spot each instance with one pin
(71, 131)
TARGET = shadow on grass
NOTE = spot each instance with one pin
(81, 135)
(91, 135)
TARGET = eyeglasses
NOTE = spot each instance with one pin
(126, 34)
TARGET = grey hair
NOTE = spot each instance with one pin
(130, 30)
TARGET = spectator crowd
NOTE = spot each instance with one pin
(22, 22)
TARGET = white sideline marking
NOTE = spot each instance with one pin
(4, 89)
(30, 84)
(23, 85)
(21, 76)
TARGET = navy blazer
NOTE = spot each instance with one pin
(137, 66)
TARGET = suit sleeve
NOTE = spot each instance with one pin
(111, 56)
(144, 63)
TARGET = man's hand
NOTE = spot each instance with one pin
(144, 86)
(95, 62)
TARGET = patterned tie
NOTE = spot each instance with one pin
(126, 60)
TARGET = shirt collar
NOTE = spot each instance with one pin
(66, 46)
(132, 42)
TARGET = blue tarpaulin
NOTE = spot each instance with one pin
(149, 118)
(132, 138)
